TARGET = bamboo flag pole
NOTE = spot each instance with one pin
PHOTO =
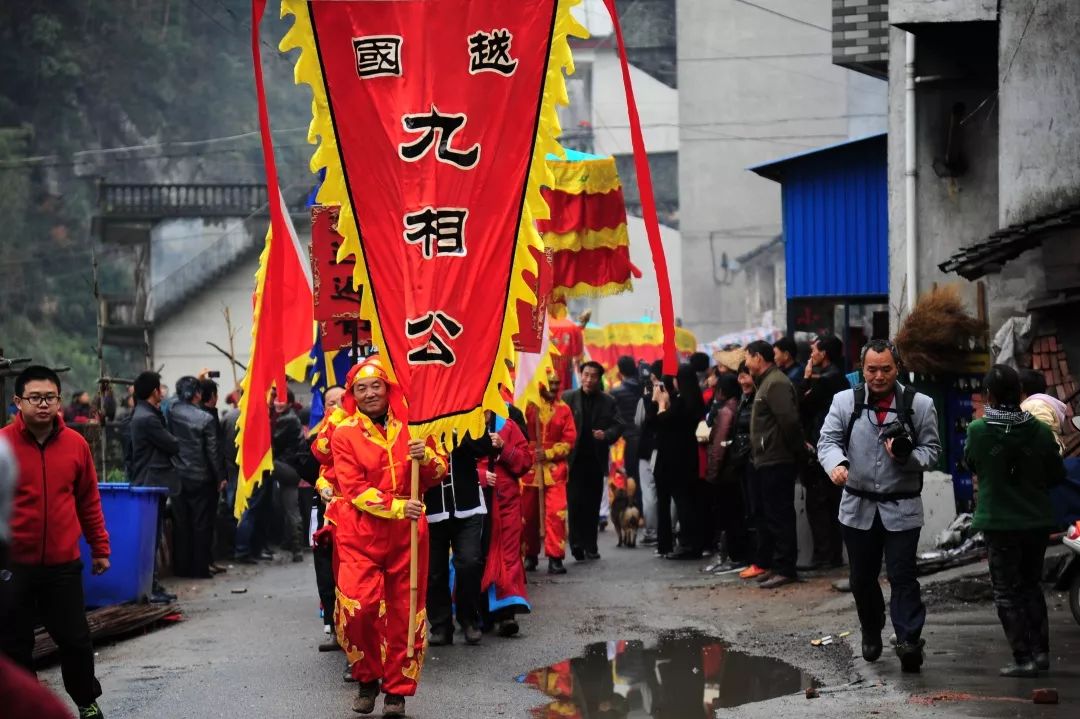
(414, 552)
(232, 347)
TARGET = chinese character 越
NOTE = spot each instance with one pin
(377, 55)
(344, 290)
(490, 52)
(439, 231)
(445, 126)
(435, 349)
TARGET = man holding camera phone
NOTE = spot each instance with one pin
(876, 442)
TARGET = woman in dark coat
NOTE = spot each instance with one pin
(679, 408)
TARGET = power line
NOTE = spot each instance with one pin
(36, 162)
(780, 14)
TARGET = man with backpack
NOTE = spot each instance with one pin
(877, 441)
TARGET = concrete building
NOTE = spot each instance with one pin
(997, 153)
(756, 81)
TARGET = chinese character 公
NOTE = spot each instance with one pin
(439, 231)
(377, 55)
(435, 349)
(490, 52)
(445, 126)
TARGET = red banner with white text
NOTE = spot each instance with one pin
(434, 120)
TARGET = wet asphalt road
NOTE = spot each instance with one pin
(254, 654)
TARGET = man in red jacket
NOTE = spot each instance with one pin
(56, 501)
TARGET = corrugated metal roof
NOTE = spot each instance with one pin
(773, 169)
(835, 219)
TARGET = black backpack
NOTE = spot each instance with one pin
(905, 410)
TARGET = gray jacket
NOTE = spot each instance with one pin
(200, 455)
(153, 450)
(871, 469)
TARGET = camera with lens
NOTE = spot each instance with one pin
(902, 444)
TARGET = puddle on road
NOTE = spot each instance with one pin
(685, 676)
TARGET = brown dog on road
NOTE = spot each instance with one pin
(624, 515)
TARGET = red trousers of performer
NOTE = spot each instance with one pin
(373, 600)
(554, 524)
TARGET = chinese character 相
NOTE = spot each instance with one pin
(439, 231)
(490, 52)
(377, 55)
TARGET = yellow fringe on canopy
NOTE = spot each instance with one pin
(584, 289)
(333, 192)
(610, 238)
(638, 333)
(246, 484)
(592, 176)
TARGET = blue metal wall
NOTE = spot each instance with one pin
(836, 227)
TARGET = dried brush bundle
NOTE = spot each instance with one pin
(937, 335)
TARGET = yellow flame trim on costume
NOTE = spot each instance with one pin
(610, 238)
(333, 192)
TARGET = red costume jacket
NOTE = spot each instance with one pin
(557, 437)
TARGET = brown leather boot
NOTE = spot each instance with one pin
(364, 703)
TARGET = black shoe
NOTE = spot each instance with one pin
(441, 637)
(911, 655)
(578, 555)
(265, 556)
(162, 597)
(684, 554)
(347, 677)
(366, 693)
(473, 635)
(649, 541)
(507, 628)
(531, 563)
(1042, 661)
(603, 525)
(91, 711)
(244, 559)
(1020, 670)
(555, 566)
(330, 646)
(297, 557)
(592, 555)
(871, 645)
(776, 581)
(393, 706)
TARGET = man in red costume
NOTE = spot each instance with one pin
(372, 455)
(551, 427)
(503, 582)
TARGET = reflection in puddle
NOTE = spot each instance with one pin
(685, 676)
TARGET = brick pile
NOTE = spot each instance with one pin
(1048, 357)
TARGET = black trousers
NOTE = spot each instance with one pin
(323, 559)
(822, 508)
(583, 493)
(193, 530)
(1016, 564)
(665, 532)
(53, 596)
(761, 549)
(691, 502)
(865, 548)
(464, 537)
(731, 518)
(777, 483)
